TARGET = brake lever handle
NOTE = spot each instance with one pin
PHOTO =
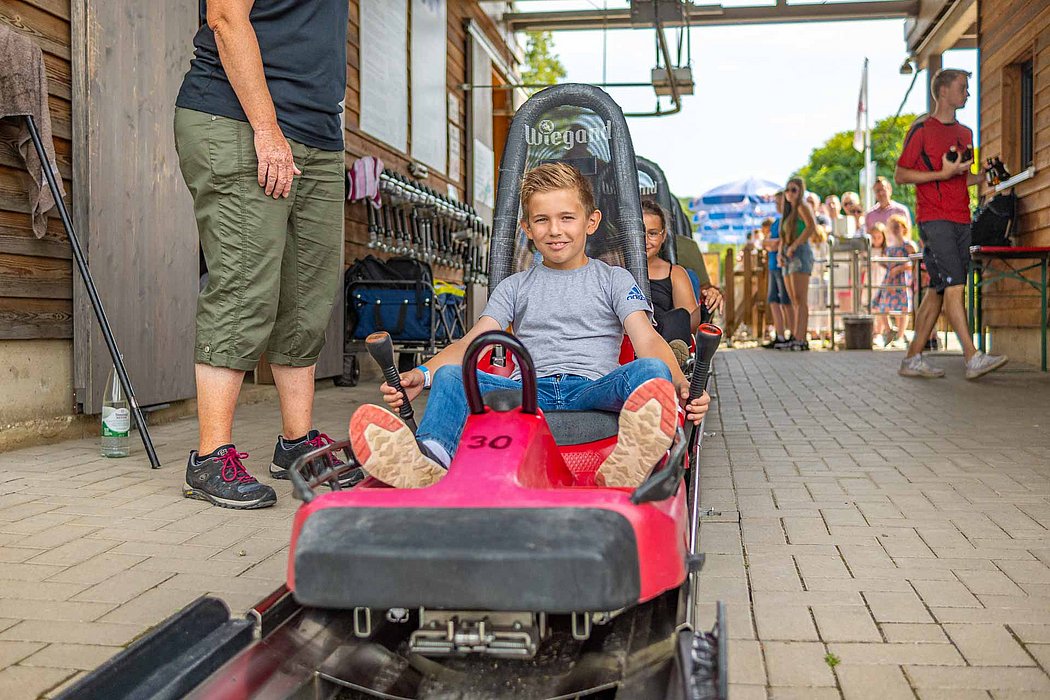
(708, 336)
(381, 348)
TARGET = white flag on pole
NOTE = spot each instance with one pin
(862, 111)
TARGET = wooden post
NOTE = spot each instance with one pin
(730, 291)
(749, 296)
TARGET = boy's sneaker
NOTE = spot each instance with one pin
(783, 344)
(221, 479)
(916, 366)
(981, 364)
(681, 352)
(647, 425)
(388, 450)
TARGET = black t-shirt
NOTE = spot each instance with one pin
(303, 47)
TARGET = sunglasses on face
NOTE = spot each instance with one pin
(792, 189)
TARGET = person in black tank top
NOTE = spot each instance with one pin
(674, 303)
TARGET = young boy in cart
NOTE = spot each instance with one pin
(571, 313)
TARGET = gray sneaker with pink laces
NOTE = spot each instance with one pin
(221, 479)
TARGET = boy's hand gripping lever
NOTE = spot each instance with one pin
(381, 348)
(708, 336)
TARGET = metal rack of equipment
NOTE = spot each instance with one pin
(417, 222)
(414, 223)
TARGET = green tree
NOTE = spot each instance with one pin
(835, 166)
(689, 215)
(542, 66)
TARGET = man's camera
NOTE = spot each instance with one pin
(953, 155)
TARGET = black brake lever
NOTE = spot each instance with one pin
(381, 348)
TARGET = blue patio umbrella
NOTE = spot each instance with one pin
(726, 213)
(751, 190)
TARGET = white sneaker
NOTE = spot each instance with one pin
(916, 366)
(388, 450)
(647, 427)
(981, 364)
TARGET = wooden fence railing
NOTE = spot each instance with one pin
(745, 283)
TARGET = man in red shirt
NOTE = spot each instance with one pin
(937, 159)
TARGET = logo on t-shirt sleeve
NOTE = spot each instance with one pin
(635, 294)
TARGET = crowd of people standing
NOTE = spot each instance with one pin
(793, 259)
(943, 214)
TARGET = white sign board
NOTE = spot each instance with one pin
(384, 71)
(455, 152)
(429, 83)
(484, 175)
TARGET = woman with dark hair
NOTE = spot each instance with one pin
(674, 304)
(796, 228)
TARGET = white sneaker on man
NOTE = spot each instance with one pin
(917, 366)
(981, 364)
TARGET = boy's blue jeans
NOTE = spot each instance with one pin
(446, 411)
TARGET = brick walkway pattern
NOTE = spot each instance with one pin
(874, 537)
(95, 551)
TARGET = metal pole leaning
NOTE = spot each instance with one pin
(96, 303)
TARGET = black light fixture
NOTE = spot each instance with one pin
(906, 67)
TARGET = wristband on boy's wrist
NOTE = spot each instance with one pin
(426, 376)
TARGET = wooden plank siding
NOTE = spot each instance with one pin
(29, 267)
(36, 276)
(1011, 31)
(359, 144)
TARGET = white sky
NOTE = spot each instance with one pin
(765, 95)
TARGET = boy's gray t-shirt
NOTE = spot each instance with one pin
(570, 321)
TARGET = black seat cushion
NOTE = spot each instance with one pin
(579, 427)
(538, 559)
(567, 427)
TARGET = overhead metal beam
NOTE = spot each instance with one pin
(957, 23)
(716, 15)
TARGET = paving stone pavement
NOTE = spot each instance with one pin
(875, 536)
(95, 551)
(897, 528)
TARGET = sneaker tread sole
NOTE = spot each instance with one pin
(647, 426)
(388, 451)
(929, 374)
(200, 495)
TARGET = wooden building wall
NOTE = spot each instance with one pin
(36, 289)
(36, 276)
(360, 144)
(1012, 31)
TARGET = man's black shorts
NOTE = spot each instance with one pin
(946, 252)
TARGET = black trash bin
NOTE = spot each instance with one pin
(858, 331)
